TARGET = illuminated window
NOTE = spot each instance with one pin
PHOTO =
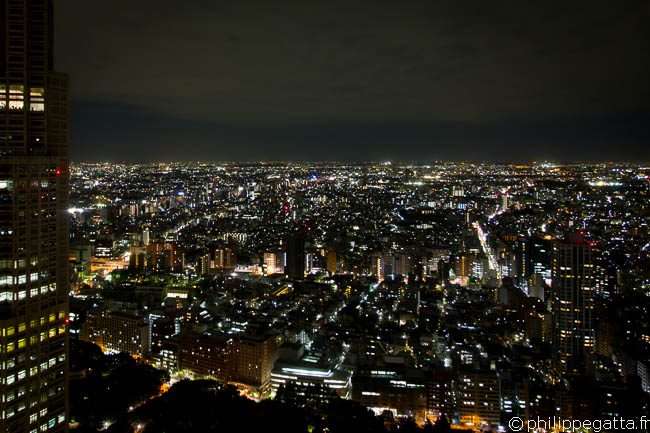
(10, 330)
(37, 99)
(61, 314)
(52, 317)
(22, 343)
(52, 332)
(16, 97)
(21, 327)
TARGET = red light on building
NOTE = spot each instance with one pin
(58, 172)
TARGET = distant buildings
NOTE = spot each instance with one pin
(223, 257)
(164, 256)
(274, 263)
(413, 288)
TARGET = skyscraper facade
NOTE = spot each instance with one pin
(295, 255)
(573, 288)
(34, 154)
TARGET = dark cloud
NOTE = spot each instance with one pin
(235, 79)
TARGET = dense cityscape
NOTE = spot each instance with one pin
(409, 294)
(474, 291)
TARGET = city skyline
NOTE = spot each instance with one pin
(503, 81)
(324, 216)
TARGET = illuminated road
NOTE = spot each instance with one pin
(492, 261)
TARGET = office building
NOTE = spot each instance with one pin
(206, 356)
(478, 394)
(399, 390)
(223, 258)
(34, 281)
(164, 256)
(572, 302)
(441, 399)
(295, 256)
(257, 352)
(118, 332)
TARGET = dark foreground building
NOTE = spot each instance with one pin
(33, 223)
(573, 302)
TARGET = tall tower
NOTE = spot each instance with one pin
(573, 286)
(33, 223)
(295, 259)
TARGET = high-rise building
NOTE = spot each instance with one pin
(164, 255)
(257, 352)
(295, 256)
(224, 257)
(572, 302)
(34, 283)
(331, 262)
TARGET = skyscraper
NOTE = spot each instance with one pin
(33, 223)
(295, 255)
(573, 285)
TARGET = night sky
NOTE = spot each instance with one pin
(248, 80)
